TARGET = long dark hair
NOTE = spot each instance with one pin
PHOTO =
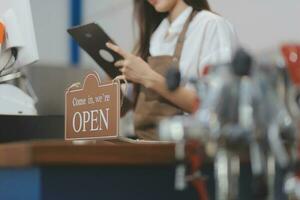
(148, 20)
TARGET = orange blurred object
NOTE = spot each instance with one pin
(195, 157)
(2, 33)
(291, 54)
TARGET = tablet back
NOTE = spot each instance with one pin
(92, 39)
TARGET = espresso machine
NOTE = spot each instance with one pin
(249, 110)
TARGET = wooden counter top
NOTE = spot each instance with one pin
(57, 153)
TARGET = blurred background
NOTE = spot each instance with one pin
(260, 25)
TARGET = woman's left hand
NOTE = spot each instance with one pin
(134, 68)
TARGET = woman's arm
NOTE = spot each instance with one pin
(184, 98)
(137, 70)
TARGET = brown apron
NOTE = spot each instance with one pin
(150, 106)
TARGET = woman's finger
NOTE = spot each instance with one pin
(121, 77)
(119, 63)
(122, 63)
(122, 70)
(117, 49)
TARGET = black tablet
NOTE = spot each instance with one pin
(92, 39)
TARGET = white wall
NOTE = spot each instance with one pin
(260, 24)
(116, 19)
(50, 20)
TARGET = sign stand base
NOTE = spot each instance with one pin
(83, 142)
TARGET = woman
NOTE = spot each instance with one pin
(173, 33)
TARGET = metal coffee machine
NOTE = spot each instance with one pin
(249, 110)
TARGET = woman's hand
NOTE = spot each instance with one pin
(133, 68)
(137, 70)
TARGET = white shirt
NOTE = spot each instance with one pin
(210, 39)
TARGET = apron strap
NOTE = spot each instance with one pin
(181, 38)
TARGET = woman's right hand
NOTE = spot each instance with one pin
(133, 67)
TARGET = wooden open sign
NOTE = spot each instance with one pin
(93, 111)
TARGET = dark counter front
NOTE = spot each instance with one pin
(58, 170)
(22, 128)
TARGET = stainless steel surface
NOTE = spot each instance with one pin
(49, 84)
